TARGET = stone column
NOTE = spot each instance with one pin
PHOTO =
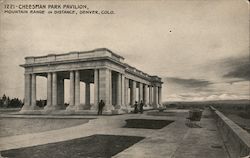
(133, 93)
(126, 91)
(33, 91)
(96, 89)
(77, 91)
(140, 92)
(105, 88)
(118, 90)
(71, 91)
(49, 89)
(60, 92)
(160, 95)
(145, 94)
(54, 90)
(110, 88)
(150, 95)
(122, 90)
(155, 94)
(87, 93)
(27, 92)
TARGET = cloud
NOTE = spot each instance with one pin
(189, 83)
(241, 71)
(238, 68)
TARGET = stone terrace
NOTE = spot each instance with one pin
(175, 140)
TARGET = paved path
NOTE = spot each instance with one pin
(175, 140)
(202, 142)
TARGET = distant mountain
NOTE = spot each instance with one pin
(242, 101)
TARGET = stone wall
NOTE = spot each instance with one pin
(236, 140)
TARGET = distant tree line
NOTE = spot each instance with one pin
(7, 102)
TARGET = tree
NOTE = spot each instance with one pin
(6, 102)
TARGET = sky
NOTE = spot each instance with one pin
(199, 48)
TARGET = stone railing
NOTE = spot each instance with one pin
(102, 52)
(135, 71)
(156, 79)
(235, 138)
(139, 73)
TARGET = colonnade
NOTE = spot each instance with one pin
(149, 94)
(118, 84)
(116, 89)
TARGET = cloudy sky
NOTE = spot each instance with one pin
(200, 48)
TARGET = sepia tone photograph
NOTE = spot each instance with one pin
(124, 79)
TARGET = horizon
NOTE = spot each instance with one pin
(162, 101)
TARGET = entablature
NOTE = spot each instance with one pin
(94, 59)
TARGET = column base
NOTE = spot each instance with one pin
(117, 107)
(56, 107)
(79, 107)
(108, 108)
(70, 108)
(87, 107)
(47, 107)
(155, 106)
(118, 111)
(25, 107)
(146, 105)
(160, 105)
(34, 107)
(28, 107)
(52, 108)
(94, 107)
(125, 108)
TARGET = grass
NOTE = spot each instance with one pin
(19, 126)
(94, 146)
(156, 113)
(146, 123)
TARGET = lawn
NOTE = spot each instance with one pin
(147, 123)
(18, 126)
(94, 146)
